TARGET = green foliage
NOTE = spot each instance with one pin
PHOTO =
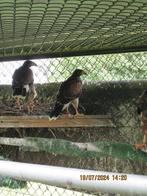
(12, 183)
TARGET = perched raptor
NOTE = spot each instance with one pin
(69, 93)
(23, 85)
(142, 110)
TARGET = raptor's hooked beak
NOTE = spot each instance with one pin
(34, 64)
(84, 73)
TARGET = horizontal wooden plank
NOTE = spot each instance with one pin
(89, 121)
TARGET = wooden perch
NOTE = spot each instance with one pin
(43, 121)
(63, 147)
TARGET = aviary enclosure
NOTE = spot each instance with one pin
(107, 39)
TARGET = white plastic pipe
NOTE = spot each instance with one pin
(73, 178)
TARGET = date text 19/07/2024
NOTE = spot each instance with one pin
(103, 177)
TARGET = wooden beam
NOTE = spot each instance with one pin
(43, 121)
(67, 148)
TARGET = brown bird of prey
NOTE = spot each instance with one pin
(142, 110)
(23, 85)
(69, 93)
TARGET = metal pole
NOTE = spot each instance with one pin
(88, 180)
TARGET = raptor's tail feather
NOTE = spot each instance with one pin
(57, 110)
(19, 91)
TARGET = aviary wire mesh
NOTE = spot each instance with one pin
(68, 27)
(117, 78)
(59, 28)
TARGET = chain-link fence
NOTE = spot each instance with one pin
(21, 188)
(112, 86)
(111, 67)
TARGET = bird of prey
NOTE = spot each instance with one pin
(68, 94)
(142, 110)
(23, 85)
